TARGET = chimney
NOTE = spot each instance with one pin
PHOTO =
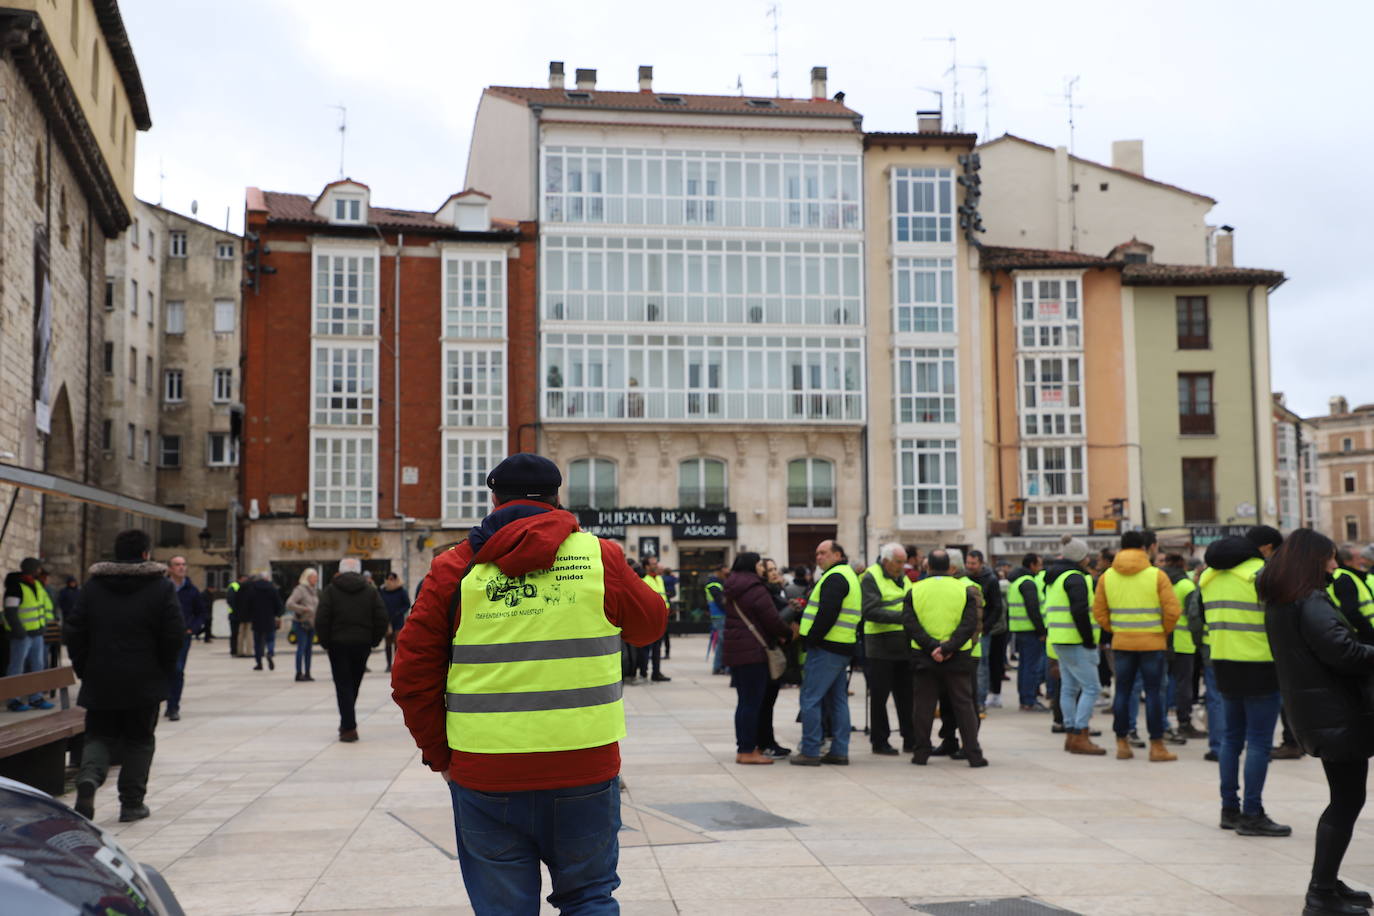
(555, 74)
(1339, 405)
(646, 79)
(1129, 156)
(1225, 247)
(586, 79)
(818, 84)
(928, 122)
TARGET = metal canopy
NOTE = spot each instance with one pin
(73, 489)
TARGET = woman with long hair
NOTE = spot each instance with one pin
(751, 623)
(1324, 677)
(305, 598)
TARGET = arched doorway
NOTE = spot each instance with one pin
(61, 516)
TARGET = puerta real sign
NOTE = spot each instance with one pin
(687, 524)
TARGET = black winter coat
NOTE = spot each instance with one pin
(1323, 672)
(351, 612)
(260, 604)
(124, 635)
(746, 593)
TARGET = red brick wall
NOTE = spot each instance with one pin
(523, 349)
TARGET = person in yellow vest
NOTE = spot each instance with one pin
(1135, 602)
(830, 630)
(1073, 640)
(27, 606)
(508, 676)
(1183, 644)
(940, 616)
(887, 651)
(1351, 595)
(653, 577)
(1027, 625)
(1245, 674)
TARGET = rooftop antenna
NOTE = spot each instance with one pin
(1069, 103)
(987, 101)
(1069, 84)
(773, 11)
(343, 134)
(956, 105)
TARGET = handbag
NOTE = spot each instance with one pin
(777, 661)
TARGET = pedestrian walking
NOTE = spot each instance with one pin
(397, 606)
(830, 628)
(351, 620)
(752, 627)
(520, 709)
(124, 637)
(260, 605)
(25, 618)
(302, 603)
(887, 649)
(194, 614)
(1325, 674)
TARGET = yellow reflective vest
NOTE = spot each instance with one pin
(1061, 629)
(978, 637)
(892, 594)
(1235, 617)
(35, 608)
(1133, 601)
(846, 626)
(1361, 588)
(535, 664)
(939, 602)
(1184, 644)
(1018, 619)
(656, 583)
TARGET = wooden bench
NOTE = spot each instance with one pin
(33, 748)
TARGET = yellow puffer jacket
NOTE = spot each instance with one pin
(1128, 562)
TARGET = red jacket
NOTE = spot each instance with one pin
(420, 672)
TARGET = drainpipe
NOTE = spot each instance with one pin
(90, 387)
(396, 409)
(1254, 419)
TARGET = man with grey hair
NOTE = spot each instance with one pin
(887, 649)
(1350, 593)
(351, 621)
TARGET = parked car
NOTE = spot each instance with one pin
(54, 862)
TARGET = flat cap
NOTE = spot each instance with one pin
(525, 474)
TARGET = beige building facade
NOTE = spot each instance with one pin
(1295, 468)
(1345, 471)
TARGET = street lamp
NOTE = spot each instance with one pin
(204, 538)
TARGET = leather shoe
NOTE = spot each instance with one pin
(945, 750)
(174, 715)
(349, 736)
(1359, 898)
(1230, 817)
(85, 800)
(1211, 755)
(976, 760)
(801, 760)
(1329, 902)
(835, 760)
(754, 758)
(1261, 825)
(1286, 752)
(133, 813)
(920, 758)
(886, 750)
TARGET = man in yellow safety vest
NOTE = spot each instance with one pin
(27, 605)
(887, 651)
(830, 628)
(653, 577)
(940, 615)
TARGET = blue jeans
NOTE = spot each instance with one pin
(304, 650)
(1079, 684)
(1133, 670)
(502, 839)
(1250, 724)
(177, 680)
(980, 696)
(26, 655)
(264, 642)
(718, 634)
(823, 682)
(1030, 669)
(1135, 693)
(1216, 715)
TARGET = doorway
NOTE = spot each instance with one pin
(696, 564)
(285, 575)
(802, 541)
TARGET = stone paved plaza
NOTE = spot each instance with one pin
(258, 809)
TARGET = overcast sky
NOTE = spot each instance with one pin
(1263, 105)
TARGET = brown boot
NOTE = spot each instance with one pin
(1070, 738)
(1084, 745)
(1159, 753)
(754, 757)
(1123, 749)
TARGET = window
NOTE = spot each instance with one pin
(176, 317)
(217, 578)
(924, 295)
(147, 453)
(107, 435)
(701, 484)
(343, 477)
(224, 251)
(133, 297)
(223, 386)
(925, 386)
(1195, 414)
(225, 316)
(133, 365)
(217, 523)
(474, 297)
(592, 484)
(345, 385)
(109, 294)
(130, 435)
(171, 534)
(169, 452)
(1052, 396)
(1055, 471)
(1056, 516)
(468, 458)
(345, 294)
(348, 209)
(474, 388)
(151, 308)
(40, 181)
(173, 389)
(1194, 323)
(810, 487)
(1199, 490)
(1348, 482)
(152, 244)
(176, 247)
(148, 374)
(223, 450)
(1347, 444)
(134, 233)
(1352, 528)
(109, 358)
(922, 205)
(1050, 316)
(928, 477)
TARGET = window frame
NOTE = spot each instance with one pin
(1352, 528)
(222, 308)
(357, 407)
(703, 492)
(177, 327)
(356, 499)
(176, 243)
(332, 315)
(221, 393)
(229, 450)
(1195, 416)
(340, 205)
(924, 496)
(467, 457)
(483, 405)
(1036, 327)
(1348, 482)
(220, 249)
(1192, 503)
(169, 447)
(909, 364)
(1038, 476)
(804, 502)
(907, 221)
(486, 296)
(173, 386)
(599, 493)
(1186, 309)
(1045, 419)
(913, 312)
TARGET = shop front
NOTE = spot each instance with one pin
(1011, 550)
(288, 547)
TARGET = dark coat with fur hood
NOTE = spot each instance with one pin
(124, 635)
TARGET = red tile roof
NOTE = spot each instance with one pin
(1199, 275)
(1109, 168)
(692, 104)
(999, 258)
(298, 208)
(911, 138)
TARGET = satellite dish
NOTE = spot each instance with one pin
(195, 205)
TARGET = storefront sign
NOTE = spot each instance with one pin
(308, 545)
(1210, 534)
(687, 524)
(360, 544)
(1045, 546)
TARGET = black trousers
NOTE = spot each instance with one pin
(751, 683)
(997, 662)
(889, 677)
(132, 731)
(952, 679)
(1181, 667)
(347, 664)
(770, 696)
(1346, 782)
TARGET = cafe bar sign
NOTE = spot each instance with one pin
(687, 524)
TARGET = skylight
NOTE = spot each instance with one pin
(763, 103)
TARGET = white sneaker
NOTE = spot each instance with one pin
(994, 701)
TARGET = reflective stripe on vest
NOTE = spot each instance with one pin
(1361, 589)
(939, 602)
(1017, 616)
(846, 627)
(1184, 644)
(535, 664)
(892, 594)
(1062, 630)
(977, 643)
(1235, 617)
(1133, 601)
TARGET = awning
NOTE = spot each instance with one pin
(73, 489)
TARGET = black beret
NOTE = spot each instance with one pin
(524, 474)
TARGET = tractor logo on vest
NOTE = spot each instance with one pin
(511, 590)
